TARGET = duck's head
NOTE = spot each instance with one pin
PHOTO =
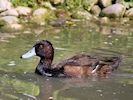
(43, 49)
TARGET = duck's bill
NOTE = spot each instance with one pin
(29, 54)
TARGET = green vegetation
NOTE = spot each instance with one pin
(127, 3)
(17, 86)
(72, 4)
(2, 23)
(69, 4)
(27, 3)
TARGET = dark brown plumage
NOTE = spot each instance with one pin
(81, 65)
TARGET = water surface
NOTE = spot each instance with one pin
(19, 82)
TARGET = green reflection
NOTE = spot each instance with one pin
(10, 87)
(127, 81)
(67, 41)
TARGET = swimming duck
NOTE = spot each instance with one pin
(81, 65)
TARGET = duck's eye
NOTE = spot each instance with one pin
(41, 46)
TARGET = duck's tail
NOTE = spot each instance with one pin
(115, 62)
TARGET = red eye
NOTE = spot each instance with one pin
(41, 46)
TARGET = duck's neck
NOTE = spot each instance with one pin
(46, 62)
(43, 64)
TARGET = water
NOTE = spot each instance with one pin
(19, 82)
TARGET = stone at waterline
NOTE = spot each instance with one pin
(23, 10)
(10, 19)
(81, 14)
(88, 4)
(63, 14)
(16, 26)
(105, 3)
(129, 13)
(96, 10)
(40, 15)
(48, 5)
(10, 12)
(115, 10)
(104, 20)
(11, 22)
(56, 2)
(5, 5)
(40, 12)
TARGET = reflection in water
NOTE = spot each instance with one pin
(18, 80)
(87, 89)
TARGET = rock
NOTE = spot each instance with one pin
(11, 22)
(10, 12)
(104, 20)
(5, 5)
(40, 15)
(58, 22)
(10, 19)
(88, 4)
(25, 11)
(50, 98)
(129, 13)
(116, 10)
(47, 4)
(81, 14)
(105, 3)
(40, 12)
(96, 10)
(16, 26)
(56, 2)
(125, 21)
(105, 30)
(127, 3)
(61, 13)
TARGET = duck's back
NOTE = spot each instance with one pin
(78, 60)
(83, 65)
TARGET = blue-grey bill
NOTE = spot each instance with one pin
(29, 54)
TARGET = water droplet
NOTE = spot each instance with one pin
(50, 98)
(105, 42)
(124, 84)
(109, 36)
(60, 48)
(114, 93)
(47, 79)
(99, 90)
(90, 30)
(13, 76)
(101, 95)
(116, 39)
(30, 79)
(11, 63)
(110, 43)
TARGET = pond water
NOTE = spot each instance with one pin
(19, 82)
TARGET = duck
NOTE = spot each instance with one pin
(79, 65)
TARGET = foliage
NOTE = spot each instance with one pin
(27, 3)
(127, 3)
(2, 23)
(79, 4)
(71, 4)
